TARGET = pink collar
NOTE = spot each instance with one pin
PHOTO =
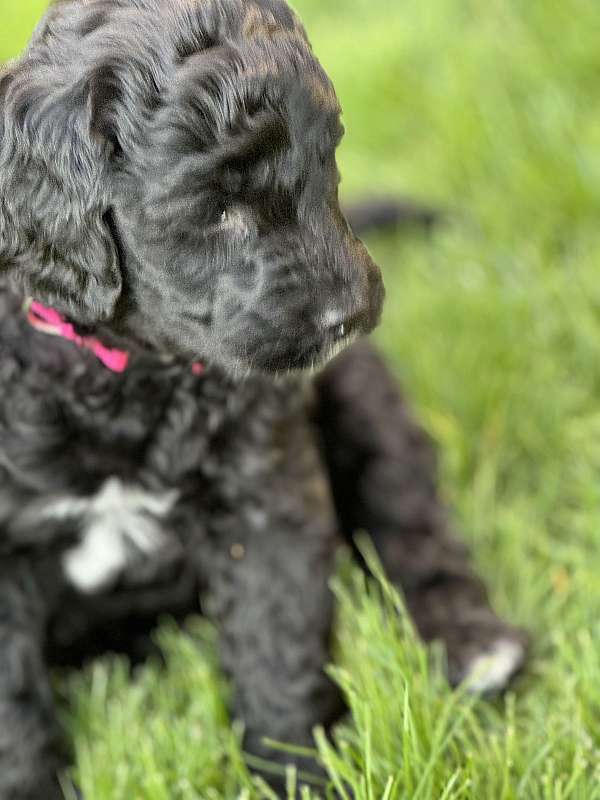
(47, 320)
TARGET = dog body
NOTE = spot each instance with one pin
(168, 182)
(134, 509)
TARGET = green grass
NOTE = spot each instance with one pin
(490, 108)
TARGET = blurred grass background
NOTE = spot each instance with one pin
(491, 110)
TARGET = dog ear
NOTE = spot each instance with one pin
(55, 239)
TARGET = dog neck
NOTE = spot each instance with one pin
(52, 323)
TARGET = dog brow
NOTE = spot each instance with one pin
(260, 23)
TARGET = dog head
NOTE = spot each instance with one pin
(168, 174)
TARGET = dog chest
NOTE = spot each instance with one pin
(121, 526)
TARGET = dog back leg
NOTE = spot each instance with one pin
(383, 474)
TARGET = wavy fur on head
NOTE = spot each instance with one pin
(168, 182)
(168, 170)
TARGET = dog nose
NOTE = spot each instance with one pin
(340, 325)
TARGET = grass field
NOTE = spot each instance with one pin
(492, 110)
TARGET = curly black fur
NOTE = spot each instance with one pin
(168, 179)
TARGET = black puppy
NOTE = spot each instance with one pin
(168, 198)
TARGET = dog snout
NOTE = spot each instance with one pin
(376, 292)
(361, 277)
(366, 292)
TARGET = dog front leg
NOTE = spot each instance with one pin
(382, 468)
(27, 729)
(273, 557)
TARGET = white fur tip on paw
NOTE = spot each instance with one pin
(491, 671)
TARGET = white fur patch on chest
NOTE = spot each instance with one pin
(121, 523)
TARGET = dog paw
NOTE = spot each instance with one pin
(483, 652)
(491, 671)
